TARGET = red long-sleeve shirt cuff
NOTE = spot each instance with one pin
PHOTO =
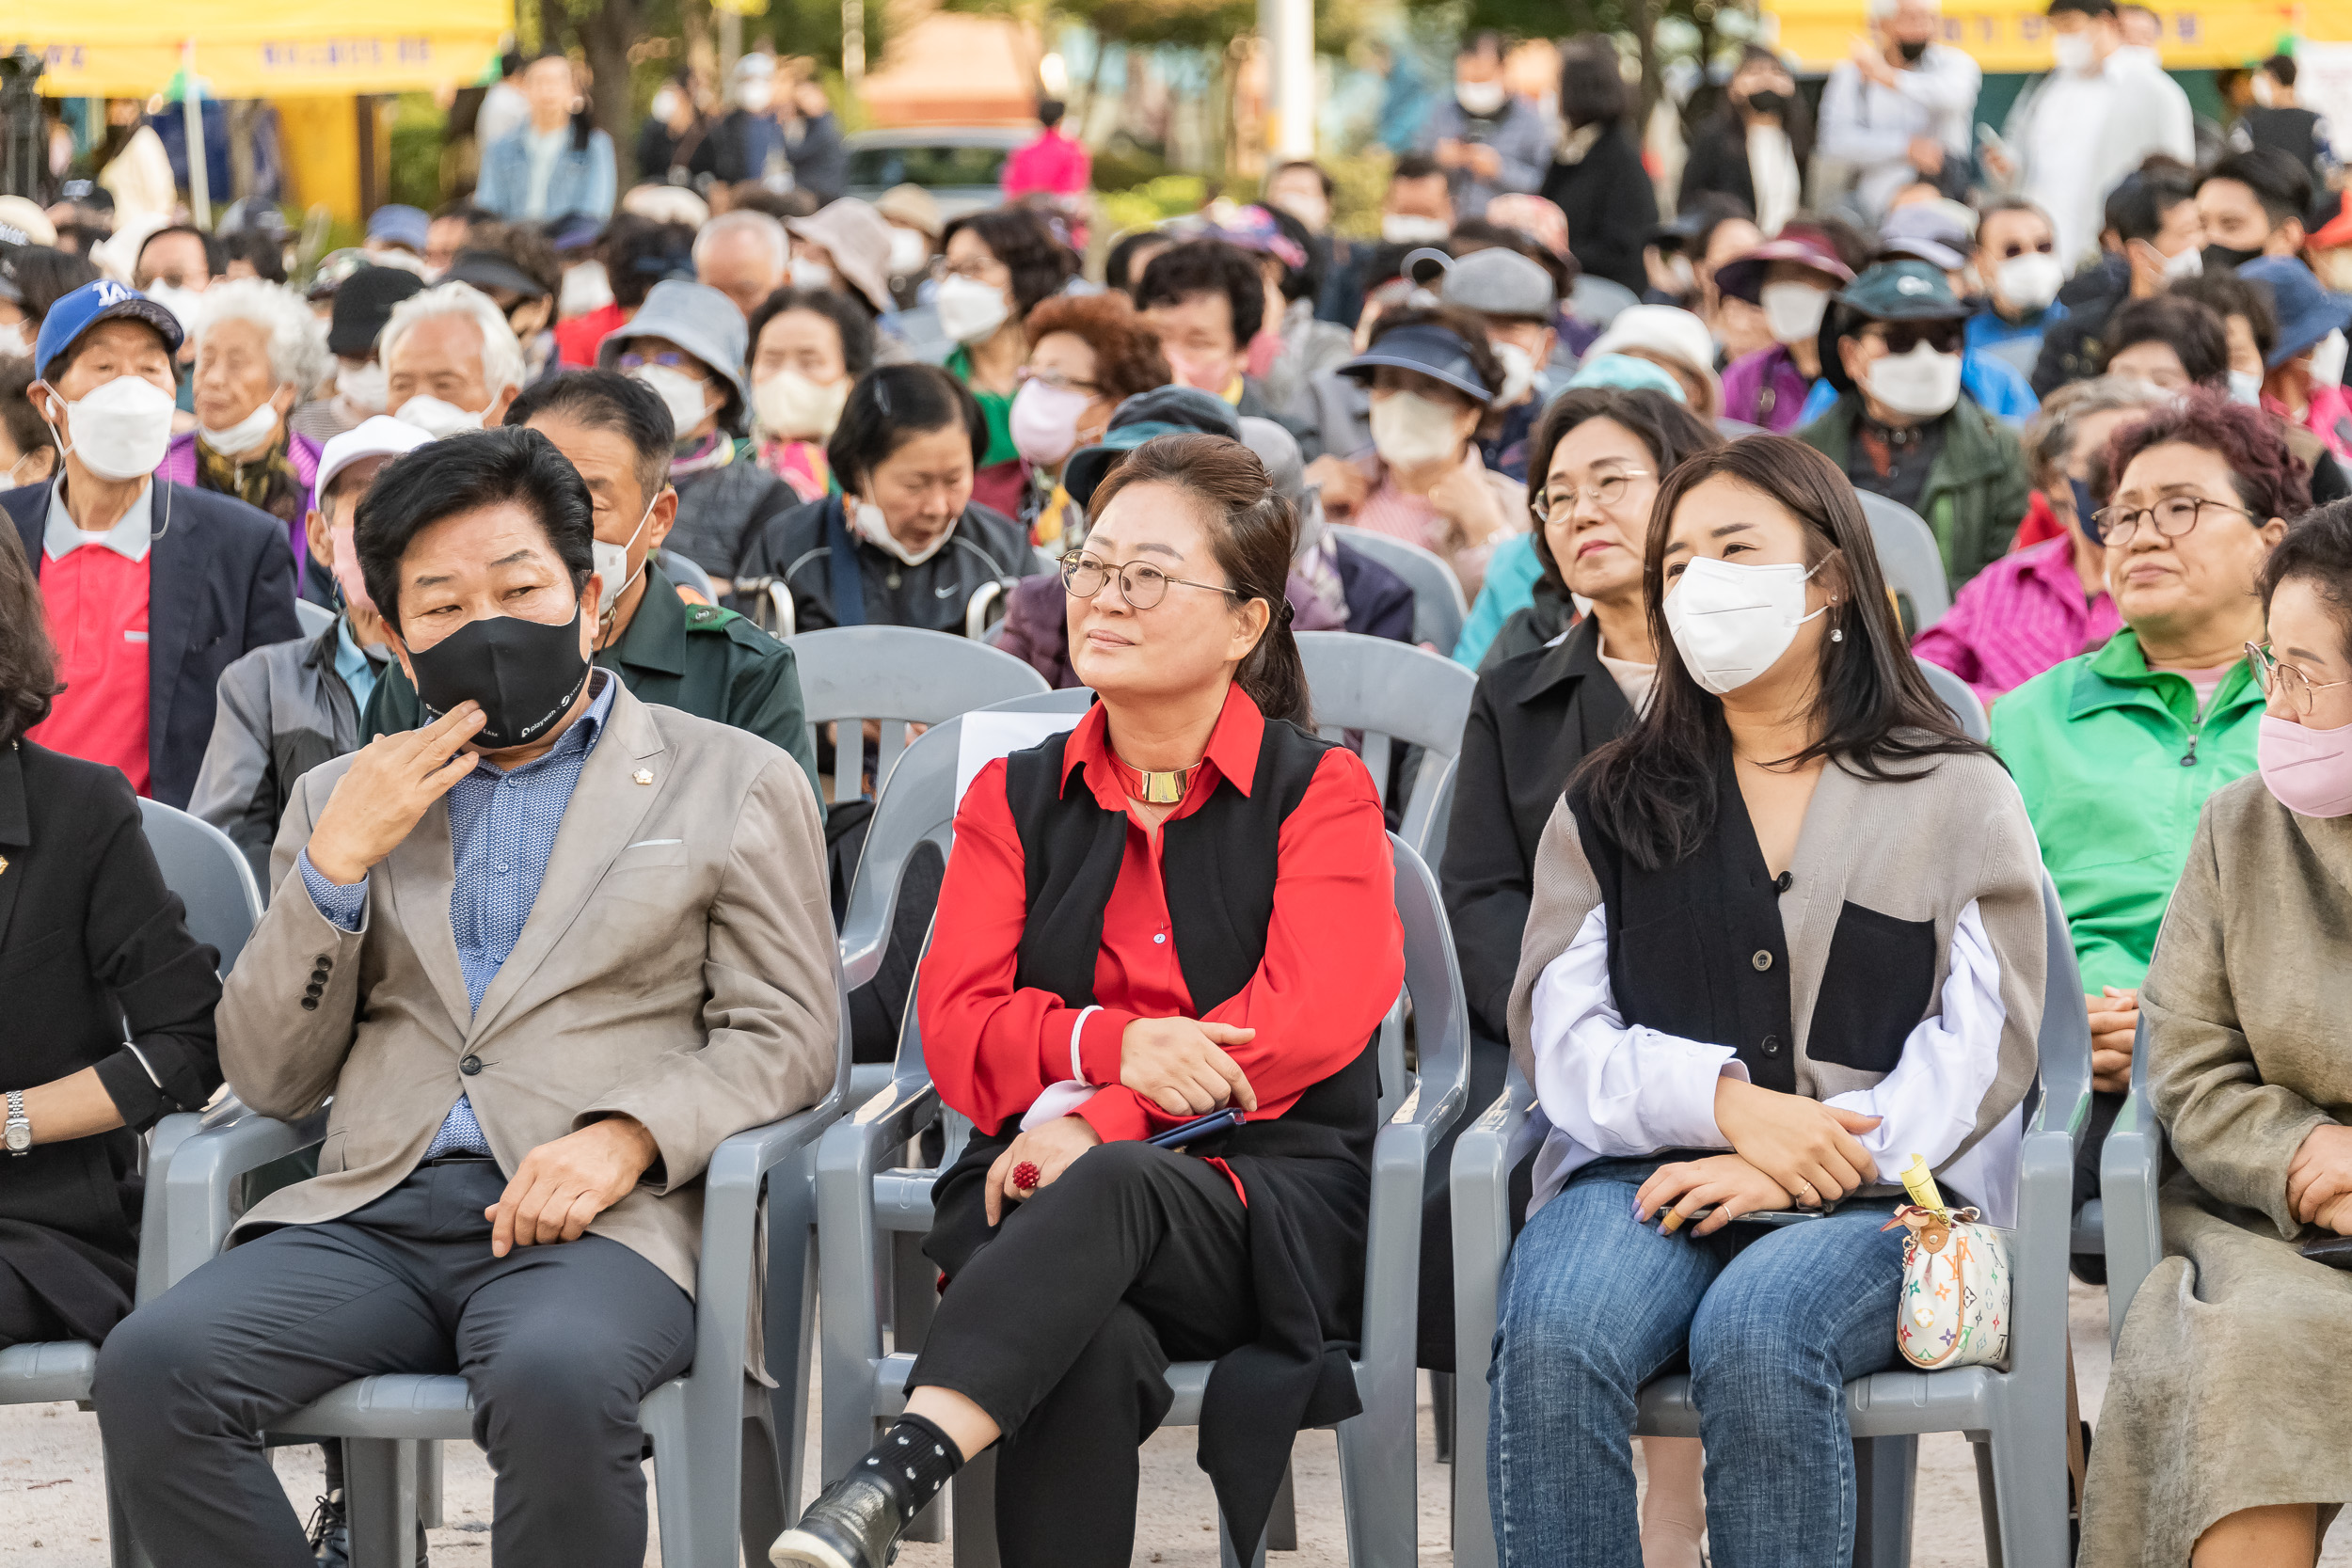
(1100, 1043)
(1117, 1115)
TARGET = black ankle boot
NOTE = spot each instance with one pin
(855, 1524)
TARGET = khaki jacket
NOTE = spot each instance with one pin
(676, 967)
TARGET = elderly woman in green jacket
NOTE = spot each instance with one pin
(2117, 750)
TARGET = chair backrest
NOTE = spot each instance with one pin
(688, 573)
(898, 675)
(1439, 608)
(1961, 698)
(1433, 978)
(1392, 693)
(2065, 1038)
(314, 618)
(1909, 558)
(210, 873)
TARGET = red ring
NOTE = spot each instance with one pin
(1025, 1176)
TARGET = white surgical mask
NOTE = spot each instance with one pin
(1410, 228)
(665, 104)
(1409, 431)
(810, 274)
(13, 344)
(794, 407)
(1518, 373)
(1922, 384)
(179, 302)
(2245, 387)
(248, 436)
(366, 387)
(756, 96)
(437, 419)
(2327, 360)
(969, 309)
(586, 288)
(1732, 622)
(1044, 422)
(2189, 263)
(1480, 98)
(909, 250)
(2073, 53)
(866, 519)
(121, 430)
(612, 566)
(687, 399)
(2030, 281)
(1793, 311)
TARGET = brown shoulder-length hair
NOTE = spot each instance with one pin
(1253, 533)
(1127, 356)
(28, 665)
(1653, 790)
(1670, 431)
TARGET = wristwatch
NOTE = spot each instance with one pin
(19, 1132)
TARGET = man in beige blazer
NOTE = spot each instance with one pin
(542, 956)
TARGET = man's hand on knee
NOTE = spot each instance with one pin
(560, 1187)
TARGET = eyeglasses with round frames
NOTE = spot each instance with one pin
(1607, 492)
(2171, 518)
(2285, 680)
(1140, 584)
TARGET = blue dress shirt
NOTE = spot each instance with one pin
(502, 828)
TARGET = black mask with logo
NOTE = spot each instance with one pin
(525, 674)
(2223, 258)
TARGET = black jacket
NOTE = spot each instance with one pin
(1531, 721)
(221, 583)
(90, 937)
(985, 546)
(1611, 206)
(1719, 160)
(659, 154)
(720, 511)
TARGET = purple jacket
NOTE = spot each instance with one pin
(1765, 389)
(180, 467)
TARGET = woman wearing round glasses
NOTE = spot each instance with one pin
(2223, 1437)
(1183, 905)
(2116, 751)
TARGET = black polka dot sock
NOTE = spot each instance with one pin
(914, 1459)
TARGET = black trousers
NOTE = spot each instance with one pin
(26, 1318)
(559, 1344)
(1062, 1322)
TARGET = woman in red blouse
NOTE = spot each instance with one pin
(1181, 906)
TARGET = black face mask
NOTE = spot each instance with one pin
(525, 674)
(1912, 52)
(2222, 257)
(1767, 102)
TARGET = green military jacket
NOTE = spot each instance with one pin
(2115, 764)
(695, 657)
(1977, 491)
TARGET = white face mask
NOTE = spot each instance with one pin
(1410, 228)
(2189, 263)
(121, 430)
(586, 288)
(1518, 373)
(1922, 384)
(613, 571)
(1480, 98)
(970, 310)
(687, 399)
(2327, 360)
(2030, 281)
(790, 405)
(2245, 387)
(665, 104)
(1793, 311)
(248, 436)
(756, 96)
(909, 250)
(2073, 53)
(867, 522)
(1409, 431)
(437, 419)
(13, 344)
(810, 274)
(1731, 622)
(179, 302)
(364, 386)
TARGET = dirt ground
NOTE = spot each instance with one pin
(51, 1498)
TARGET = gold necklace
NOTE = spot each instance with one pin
(1153, 788)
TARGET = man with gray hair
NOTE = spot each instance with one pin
(1901, 109)
(451, 362)
(745, 255)
(258, 352)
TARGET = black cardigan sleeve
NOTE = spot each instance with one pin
(1485, 880)
(139, 948)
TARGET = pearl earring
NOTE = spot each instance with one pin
(1837, 634)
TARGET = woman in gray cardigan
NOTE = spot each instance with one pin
(2223, 1439)
(1786, 934)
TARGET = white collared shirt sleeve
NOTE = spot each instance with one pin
(1928, 1102)
(1617, 1090)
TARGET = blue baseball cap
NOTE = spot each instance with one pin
(400, 225)
(1428, 347)
(91, 304)
(2305, 311)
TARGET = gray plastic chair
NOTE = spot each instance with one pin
(1598, 301)
(315, 618)
(1958, 696)
(204, 866)
(1394, 692)
(728, 1450)
(900, 676)
(2131, 1168)
(1909, 558)
(2016, 1419)
(686, 572)
(861, 1199)
(1439, 608)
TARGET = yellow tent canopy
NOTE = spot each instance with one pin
(2014, 35)
(257, 48)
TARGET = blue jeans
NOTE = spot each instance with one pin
(1774, 1323)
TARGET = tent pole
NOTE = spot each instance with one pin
(192, 114)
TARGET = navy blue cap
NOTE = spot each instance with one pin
(91, 304)
(2306, 312)
(401, 225)
(1428, 348)
(1161, 411)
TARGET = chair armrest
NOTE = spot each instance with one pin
(162, 1144)
(1480, 1194)
(202, 1173)
(848, 1157)
(1400, 1159)
(2131, 1169)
